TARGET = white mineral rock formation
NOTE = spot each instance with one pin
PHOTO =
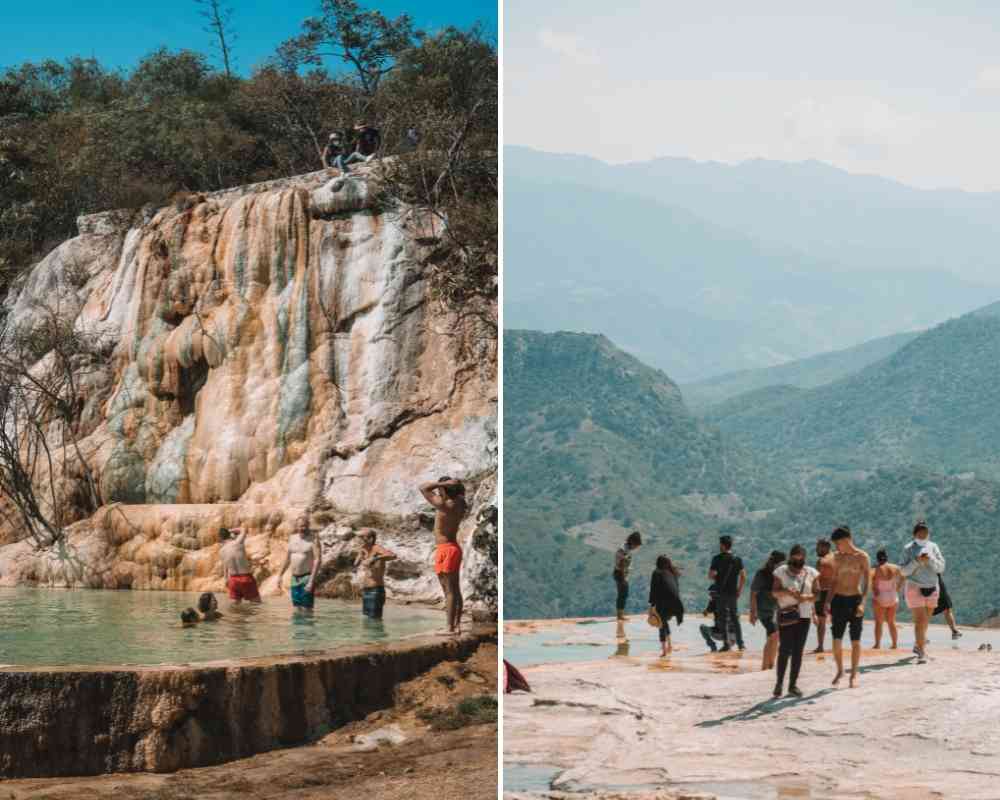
(272, 349)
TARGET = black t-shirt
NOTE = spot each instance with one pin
(727, 573)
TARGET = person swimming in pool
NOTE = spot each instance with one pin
(189, 618)
(208, 607)
(304, 555)
(447, 495)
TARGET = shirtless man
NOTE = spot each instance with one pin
(372, 560)
(846, 601)
(447, 495)
(236, 566)
(305, 555)
(824, 565)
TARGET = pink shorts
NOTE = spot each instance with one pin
(914, 599)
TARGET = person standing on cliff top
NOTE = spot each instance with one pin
(824, 565)
(371, 563)
(729, 576)
(922, 564)
(304, 555)
(447, 495)
(623, 563)
(236, 566)
(845, 604)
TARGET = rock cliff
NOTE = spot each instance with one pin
(270, 349)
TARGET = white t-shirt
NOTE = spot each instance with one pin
(802, 583)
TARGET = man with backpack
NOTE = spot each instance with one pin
(729, 577)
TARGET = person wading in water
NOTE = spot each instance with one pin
(370, 564)
(846, 602)
(623, 563)
(447, 495)
(240, 581)
(305, 556)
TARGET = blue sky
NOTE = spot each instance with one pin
(907, 89)
(119, 33)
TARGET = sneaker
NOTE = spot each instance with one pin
(921, 657)
(777, 690)
(706, 634)
(742, 648)
(956, 634)
(725, 648)
(795, 691)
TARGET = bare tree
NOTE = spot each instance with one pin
(218, 22)
(43, 367)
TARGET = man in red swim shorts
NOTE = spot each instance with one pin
(236, 566)
(448, 498)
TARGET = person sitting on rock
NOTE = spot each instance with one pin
(369, 141)
(209, 607)
(334, 152)
(305, 556)
(189, 618)
(370, 564)
(240, 581)
(447, 495)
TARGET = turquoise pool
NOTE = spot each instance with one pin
(80, 627)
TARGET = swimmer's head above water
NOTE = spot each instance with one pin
(189, 617)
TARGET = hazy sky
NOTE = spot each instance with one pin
(908, 90)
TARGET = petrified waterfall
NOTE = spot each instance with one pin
(271, 350)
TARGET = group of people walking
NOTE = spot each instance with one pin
(304, 557)
(787, 597)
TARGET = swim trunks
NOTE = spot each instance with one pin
(300, 597)
(820, 605)
(844, 612)
(915, 599)
(448, 558)
(242, 587)
(769, 624)
(373, 601)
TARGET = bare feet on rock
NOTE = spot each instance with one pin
(838, 676)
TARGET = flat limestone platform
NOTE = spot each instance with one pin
(699, 725)
(66, 721)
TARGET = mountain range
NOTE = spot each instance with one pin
(670, 278)
(597, 443)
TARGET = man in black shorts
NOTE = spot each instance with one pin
(824, 565)
(846, 601)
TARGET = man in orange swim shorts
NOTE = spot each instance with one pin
(236, 566)
(447, 495)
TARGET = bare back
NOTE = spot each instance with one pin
(234, 559)
(827, 568)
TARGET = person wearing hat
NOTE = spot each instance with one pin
(921, 564)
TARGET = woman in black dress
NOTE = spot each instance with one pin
(665, 597)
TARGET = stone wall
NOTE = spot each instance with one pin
(65, 722)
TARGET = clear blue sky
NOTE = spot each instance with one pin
(119, 33)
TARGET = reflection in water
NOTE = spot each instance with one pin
(40, 627)
(622, 648)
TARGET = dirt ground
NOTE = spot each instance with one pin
(428, 765)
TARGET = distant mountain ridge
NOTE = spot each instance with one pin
(852, 221)
(933, 402)
(685, 292)
(805, 373)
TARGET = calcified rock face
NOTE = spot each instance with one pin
(274, 349)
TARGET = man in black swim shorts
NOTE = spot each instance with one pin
(846, 603)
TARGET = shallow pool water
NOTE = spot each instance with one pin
(560, 642)
(53, 627)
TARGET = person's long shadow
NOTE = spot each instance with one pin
(764, 709)
(878, 667)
